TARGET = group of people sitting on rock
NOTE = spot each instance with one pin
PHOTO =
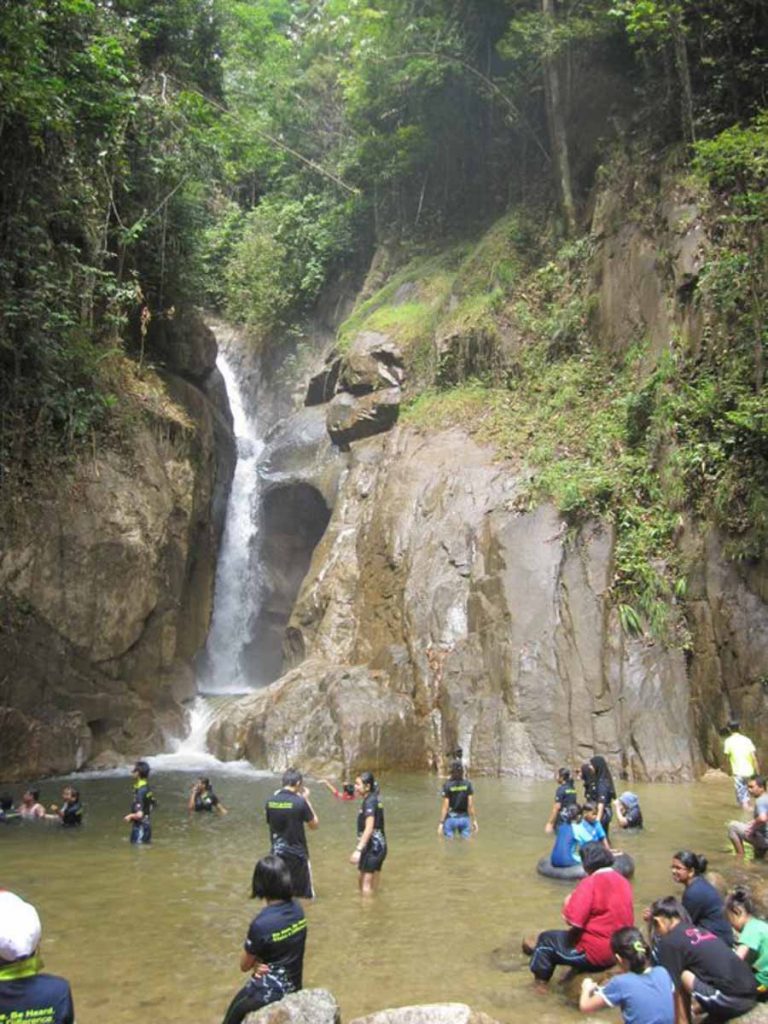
(69, 813)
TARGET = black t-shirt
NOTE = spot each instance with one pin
(371, 805)
(39, 999)
(286, 814)
(71, 814)
(458, 794)
(565, 795)
(277, 937)
(692, 949)
(705, 905)
(206, 801)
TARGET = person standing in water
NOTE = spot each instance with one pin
(599, 788)
(142, 804)
(30, 806)
(202, 799)
(70, 814)
(457, 811)
(371, 850)
(742, 757)
(288, 811)
(565, 797)
(274, 946)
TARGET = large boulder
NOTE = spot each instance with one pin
(106, 588)
(350, 418)
(310, 1006)
(328, 718)
(372, 362)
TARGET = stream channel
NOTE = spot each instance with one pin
(154, 933)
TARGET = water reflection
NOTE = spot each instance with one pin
(163, 926)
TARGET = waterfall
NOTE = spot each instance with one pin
(237, 593)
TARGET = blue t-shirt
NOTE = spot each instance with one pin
(38, 999)
(642, 998)
(565, 852)
(588, 832)
(705, 905)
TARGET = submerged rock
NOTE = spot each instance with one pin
(429, 1013)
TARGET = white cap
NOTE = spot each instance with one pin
(19, 928)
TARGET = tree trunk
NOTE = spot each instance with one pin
(683, 76)
(557, 128)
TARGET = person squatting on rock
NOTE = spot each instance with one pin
(752, 941)
(599, 789)
(274, 946)
(742, 757)
(643, 991)
(202, 799)
(701, 899)
(457, 810)
(371, 850)
(708, 976)
(288, 811)
(27, 995)
(753, 832)
(628, 813)
(142, 804)
(599, 905)
(565, 797)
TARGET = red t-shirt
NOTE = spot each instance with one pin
(600, 904)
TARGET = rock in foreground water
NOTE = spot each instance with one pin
(431, 1013)
(310, 1006)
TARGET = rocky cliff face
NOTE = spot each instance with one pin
(437, 612)
(106, 579)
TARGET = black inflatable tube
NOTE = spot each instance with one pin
(623, 863)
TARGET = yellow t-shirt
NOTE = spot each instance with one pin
(740, 751)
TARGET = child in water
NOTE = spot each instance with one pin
(752, 943)
(643, 992)
(628, 813)
(565, 852)
(30, 806)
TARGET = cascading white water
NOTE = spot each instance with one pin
(236, 595)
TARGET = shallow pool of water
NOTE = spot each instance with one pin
(155, 933)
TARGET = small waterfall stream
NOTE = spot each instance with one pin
(237, 592)
(222, 671)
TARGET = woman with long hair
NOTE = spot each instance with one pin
(599, 788)
(371, 849)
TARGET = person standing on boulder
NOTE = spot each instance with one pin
(288, 811)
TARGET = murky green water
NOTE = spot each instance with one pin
(155, 933)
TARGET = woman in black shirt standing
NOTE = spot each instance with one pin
(371, 849)
(599, 788)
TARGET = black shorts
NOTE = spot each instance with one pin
(301, 875)
(374, 854)
(717, 1005)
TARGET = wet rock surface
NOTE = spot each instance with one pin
(106, 585)
(436, 615)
